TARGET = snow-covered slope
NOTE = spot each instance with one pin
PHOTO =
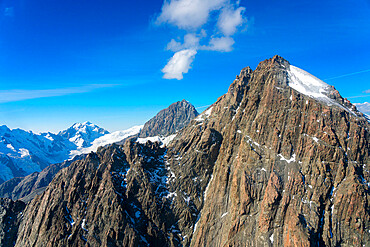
(24, 152)
(83, 134)
(309, 85)
(108, 139)
(163, 140)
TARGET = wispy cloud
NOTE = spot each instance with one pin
(209, 25)
(19, 94)
(349, 74)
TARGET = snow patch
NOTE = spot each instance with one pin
(171, 194)
(83, 225)
(24, 152)
(164, 141)
(10, 147)
(206, 190)
(204, 115)
(292, 159)
(315, 139)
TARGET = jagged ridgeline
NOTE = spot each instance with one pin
(280, 160)
(161, 128)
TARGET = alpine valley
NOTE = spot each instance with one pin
(280, 160)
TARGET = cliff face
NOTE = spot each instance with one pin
(10, 217)
(170, 120)
(266, 165)
(291, 171)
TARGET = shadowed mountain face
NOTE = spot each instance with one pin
(280, 160)
(26, 188)
(170, 120)
(10, 216)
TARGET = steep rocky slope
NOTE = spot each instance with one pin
(10, 216)
(170, 120)
(292, 170)
(26, 188)
(280, 160)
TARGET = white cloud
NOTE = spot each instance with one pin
(230, 19)
(188, 14)
(18, 95)
(222, 44)
(180, 63)
(221, 18)
(191, 41)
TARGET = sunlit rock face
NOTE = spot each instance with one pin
(268, 164)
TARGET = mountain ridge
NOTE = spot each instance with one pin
(265, 165)
(169, 120)
(24, 152)
(26, 188)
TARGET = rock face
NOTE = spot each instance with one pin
(26, 188)
(10, 216)
(170, 120)
(268, 164)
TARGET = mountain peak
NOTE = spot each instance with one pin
(87, 123)
(170, 120)
(264, 165)
(82, 134)
(274, 62)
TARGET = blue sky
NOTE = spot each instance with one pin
(111, 62)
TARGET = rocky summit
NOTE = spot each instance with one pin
(170, 120)
(280, 160)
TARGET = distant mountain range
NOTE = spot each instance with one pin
(83, 138)
(24, 152)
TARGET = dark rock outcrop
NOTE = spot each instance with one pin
(26, 188)
(263, 166)
(10, 216)
(170, 120)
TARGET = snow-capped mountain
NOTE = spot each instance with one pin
(24, 152)
(83, 134)
(107, 139)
